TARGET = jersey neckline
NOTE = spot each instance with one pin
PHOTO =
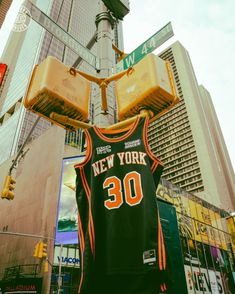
(129, 130)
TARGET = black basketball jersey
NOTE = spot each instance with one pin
(118, 222)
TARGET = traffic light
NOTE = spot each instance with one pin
(40, 250)
(8, 188)
(46, 266)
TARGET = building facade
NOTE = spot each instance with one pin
(4, 6)
(188, 139)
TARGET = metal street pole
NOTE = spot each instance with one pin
(105, 54)
(59, 275)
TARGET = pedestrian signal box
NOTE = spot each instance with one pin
(54, 88)
(149, 85)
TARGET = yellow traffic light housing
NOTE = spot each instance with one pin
(8, 188)
(54, 88)
(40, 250)
(149, 85)
(46, 266)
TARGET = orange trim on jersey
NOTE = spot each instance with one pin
(100, 132)
(88, 151)
(81, 240)
(148, 150)
(154, 167)
(163, 287)
(161, 247)
(91, 230)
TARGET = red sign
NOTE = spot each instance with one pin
(3, 68)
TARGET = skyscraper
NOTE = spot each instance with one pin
(188, 138)
(31, 46)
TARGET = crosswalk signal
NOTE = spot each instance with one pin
(40, 250)
(8, 188)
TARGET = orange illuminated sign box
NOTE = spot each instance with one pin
(52, 88)
(3, 69)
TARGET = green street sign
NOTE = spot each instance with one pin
(145, 48)
(47, 23)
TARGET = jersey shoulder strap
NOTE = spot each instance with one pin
(88, 150)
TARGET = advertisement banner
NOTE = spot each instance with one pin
(231, 229)
(66, 230)
(3, 68)
(203, 281)
(66, 256)
(197, 219)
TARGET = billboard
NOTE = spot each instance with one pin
(231, 229)
(66, 229)
(197, 219)
(3, 68)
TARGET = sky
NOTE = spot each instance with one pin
(206, 28)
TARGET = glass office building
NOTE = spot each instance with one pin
(33, 45)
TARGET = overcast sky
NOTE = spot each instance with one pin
(206, 28)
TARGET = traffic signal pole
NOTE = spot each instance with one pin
(105, 23)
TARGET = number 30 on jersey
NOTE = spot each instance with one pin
(131, 193)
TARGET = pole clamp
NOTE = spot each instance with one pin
(106, 15)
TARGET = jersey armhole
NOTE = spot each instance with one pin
(88, 151)
(147, 147)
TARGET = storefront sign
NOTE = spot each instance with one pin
(24, 285)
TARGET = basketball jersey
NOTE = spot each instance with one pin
(119, 227)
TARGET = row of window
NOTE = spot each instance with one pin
(176, 152)
(168, 115)
(176, 142)
(170, 140)
(179, 157)
(170, 123)
(173, 133)
(177, 146)
(184, 175)
(195, 187)
(188, 164)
